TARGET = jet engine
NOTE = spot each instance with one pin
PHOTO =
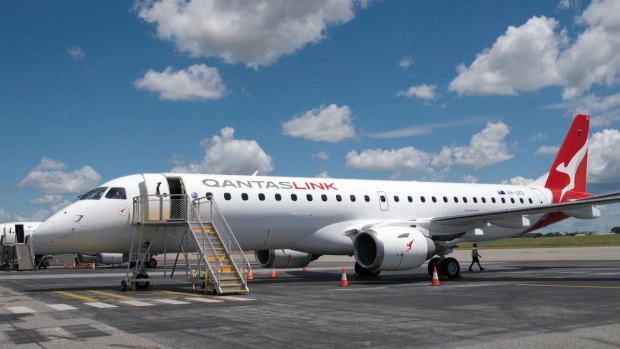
(110, 258)
(392, 248)
(283, 258)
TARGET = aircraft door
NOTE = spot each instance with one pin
(383, 201)
(155, 198)
(177, 198)
(19, 233)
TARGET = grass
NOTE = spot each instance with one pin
(554, 241)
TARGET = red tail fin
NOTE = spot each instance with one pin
(567, 177)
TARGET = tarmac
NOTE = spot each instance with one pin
(525, 298)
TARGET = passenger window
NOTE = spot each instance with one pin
(227, 196)
(475, 200)
(530, 200)
(512, 200)
(261, 197)
(521, 200)
(94, 194)
(464, 199)
(366, 198)
(493, 200)
(244, 196)
(382, 198)
(324, 197)
(503, 201)
(434, 199)
(456, 200)
(338, 197)
(352, 197)
(278, 197)
(309, 197)
(409, 198)
(445, 199)
(422, 198)
(484, 200)
(294, 197)
(116, 193)
(209, 196)
(396, 199)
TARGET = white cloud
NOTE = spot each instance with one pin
(224, 154)
(486, 148)
(47, 199)
(197, 82)
(468, 179)
(425, 129)
(547, 150)
(535, 55)
(323, 174)
(518, 181)
(604, 157)
(406, 62)
(5, 215)
(76, 52)
(326, 124)
(50, 178)
(321, 156)
(523, 59)
(254, 32)
(424, 92)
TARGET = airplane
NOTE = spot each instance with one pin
(386, 225)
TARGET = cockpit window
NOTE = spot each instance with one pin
(94, 194)
(116, 193)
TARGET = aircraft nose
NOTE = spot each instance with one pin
(55, 231)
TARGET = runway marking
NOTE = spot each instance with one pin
(61, 306)
(110, 294)
(76, 296)
(182, 293)
(101, 305)
(235, 298)
(204, 300)
(137, 303)
(170, 301)
(570, 286)
(55, 333)
(20, 310)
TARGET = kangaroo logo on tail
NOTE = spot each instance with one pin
(568, 172)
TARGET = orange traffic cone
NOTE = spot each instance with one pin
(435, 277)
(343, 278)
(92, 266)
(250, 276)
(305, 269)
(272, 275)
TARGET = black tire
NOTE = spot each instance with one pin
(451, 268)
(142, 284)
(123, 286)
(152, 263)
(432, 263)
(132, 264)
(363, 272)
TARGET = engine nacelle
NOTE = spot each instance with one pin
(283, 258)
(110, 258)
(392, 248)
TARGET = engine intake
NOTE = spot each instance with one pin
(392, 248)
(283, 258)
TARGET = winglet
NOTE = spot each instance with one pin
(567, 176)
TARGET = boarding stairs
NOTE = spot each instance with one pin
(221, 266)
(25, 258)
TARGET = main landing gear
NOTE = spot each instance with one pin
(448, 266)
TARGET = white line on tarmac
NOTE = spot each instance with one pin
(101, 305)
(170, 301)
(61, 306)
(204, 300)
(137, 303)
(21, 310)
(235, 298)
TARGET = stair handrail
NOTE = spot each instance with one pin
(195, 213)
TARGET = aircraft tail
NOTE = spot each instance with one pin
(567, 176)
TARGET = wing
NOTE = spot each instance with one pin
(570, 208)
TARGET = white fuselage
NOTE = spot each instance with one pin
(305, 214)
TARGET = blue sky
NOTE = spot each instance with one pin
(415, 90)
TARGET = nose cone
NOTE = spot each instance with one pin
(55, 232)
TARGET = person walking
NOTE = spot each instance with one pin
(474, 258)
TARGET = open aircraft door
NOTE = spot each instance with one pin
(155, 198)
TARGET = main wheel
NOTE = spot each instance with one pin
(152, 263)
(432, 263)
(361, 271)
(123, 285)
(451, 267)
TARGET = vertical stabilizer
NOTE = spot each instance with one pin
(567, 176)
